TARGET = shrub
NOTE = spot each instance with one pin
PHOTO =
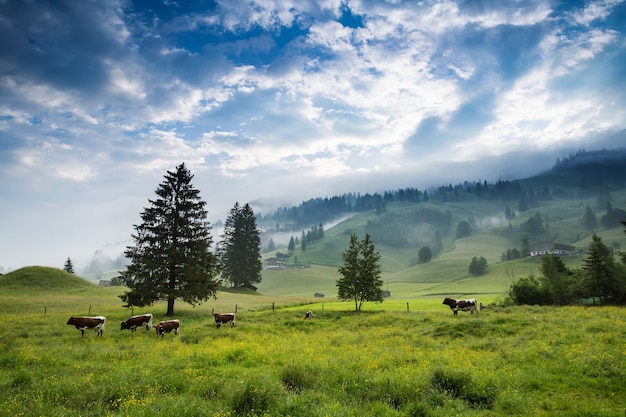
(526, 291)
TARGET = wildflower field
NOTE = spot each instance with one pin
(568, 361)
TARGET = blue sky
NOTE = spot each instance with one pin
(284, 100)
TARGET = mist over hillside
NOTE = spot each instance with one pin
(584, 171)
(422, 217)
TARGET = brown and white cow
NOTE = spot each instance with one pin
(167, 326)
(138, 321)
(309, 315)
(224, 318)
(462, 305)
(83, 323)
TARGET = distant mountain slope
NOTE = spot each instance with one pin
(573, 176)
(588, 169)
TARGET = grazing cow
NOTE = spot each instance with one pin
(82, 323)
(224, 318)
(167, 326)
(463, 305)
(138, 321)
(308, 315)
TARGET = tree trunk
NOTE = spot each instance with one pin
(170, 306)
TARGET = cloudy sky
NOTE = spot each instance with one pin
(284, 100)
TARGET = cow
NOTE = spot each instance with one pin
(308, 315)
(167, 326)
(463, 305)
(82, 323)
(224, 318)
(138, 321)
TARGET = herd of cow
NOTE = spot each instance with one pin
(145, 320)
(97, 323)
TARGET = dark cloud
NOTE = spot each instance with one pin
(62, 43)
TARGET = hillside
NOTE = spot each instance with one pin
(41, 279)
(447, 273)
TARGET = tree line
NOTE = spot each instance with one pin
(595, 173)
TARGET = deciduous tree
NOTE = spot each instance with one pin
(477, 266)
(463, 229)
(424, 254)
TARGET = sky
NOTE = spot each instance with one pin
(274, 102)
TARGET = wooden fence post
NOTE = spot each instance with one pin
(407, 307)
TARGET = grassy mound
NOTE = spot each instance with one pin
(41, 278)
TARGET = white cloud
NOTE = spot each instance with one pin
(253, 94)
(126, 79)
(593, 11)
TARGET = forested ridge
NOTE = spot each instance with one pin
(578, 175)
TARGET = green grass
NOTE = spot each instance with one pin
(384, 361)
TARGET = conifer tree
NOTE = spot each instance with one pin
(525, 251)
(589, 220)
(240, 250)
(68, 267)
(601, 278)
(171, 257)
(360, 273)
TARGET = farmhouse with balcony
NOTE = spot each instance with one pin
(550, 248)
(275, 263)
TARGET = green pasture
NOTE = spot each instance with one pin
(403, 357)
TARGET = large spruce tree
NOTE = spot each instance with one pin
(360, 272)
(240, 250)
(171, 256)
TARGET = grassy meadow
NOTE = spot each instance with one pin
(384, 361)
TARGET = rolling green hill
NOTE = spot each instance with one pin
(447, 273)
(42, 279)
